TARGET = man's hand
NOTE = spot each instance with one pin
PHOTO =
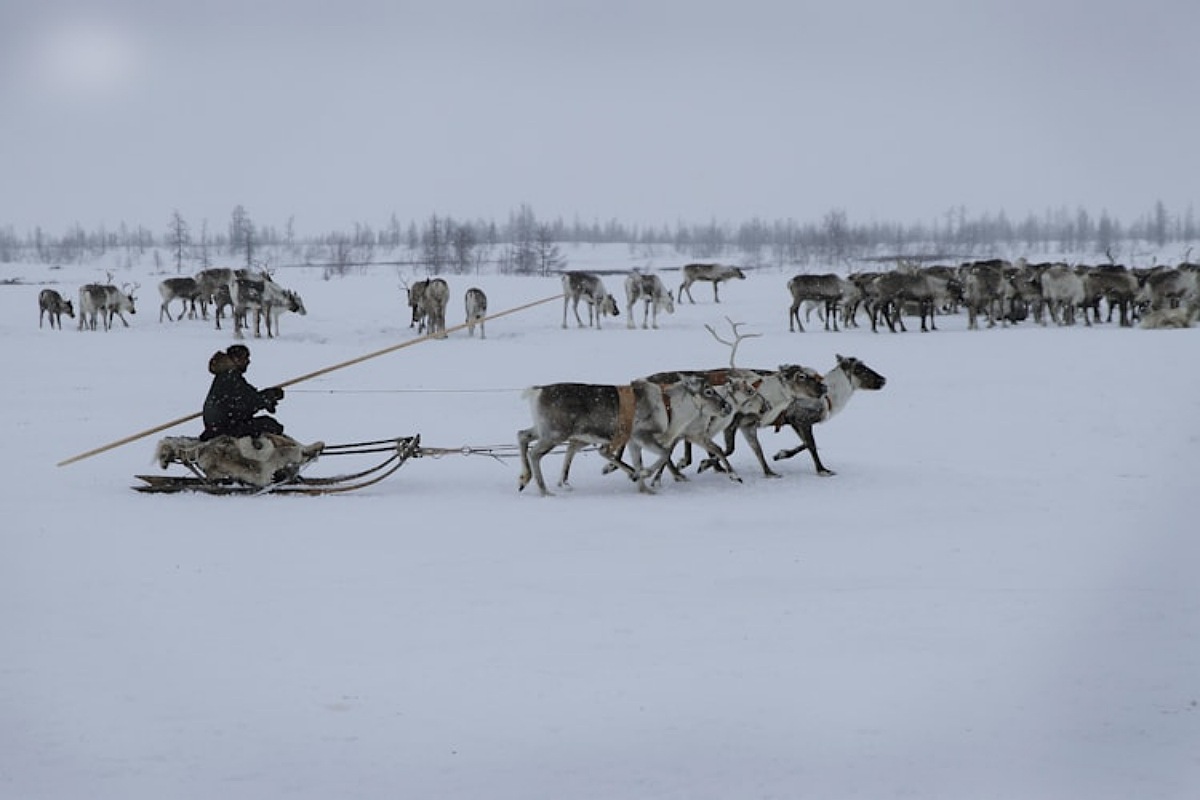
(272, 395)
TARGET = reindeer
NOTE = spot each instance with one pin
(414, 294)
(264, 297)
(737, 391)
(51, 304)
(107, 301)
(886, 294)
(742, 397)
(649, 289)
(1027, 297)
(840, 382)
(828, 289)
(986, 289)
(428, 299)
(641, 414)
(778, 390)
(291, 301)
(859, 288)
(1116, 284)
(185, 290)
(588, 287)
(1063, 292)
(714, 273)
(476, 303)
(212, 286)
(1170, 288)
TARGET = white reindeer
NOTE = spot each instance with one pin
(840, 382)
(428, 299)
(589, 288)
(650, 290)
(106, 301)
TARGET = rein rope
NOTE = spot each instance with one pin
(496, 451)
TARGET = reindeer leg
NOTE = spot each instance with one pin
(810, 443)
(794, 318)
(525, 438)
(536, 451)
(791, 452)
(750, 432)
(612, 465)
(730, 443)
(717, 455)
(664, 463)
(639, 473)
(573, 447)
(686, 461)
(615, 462)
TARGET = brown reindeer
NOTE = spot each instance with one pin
(51, 304)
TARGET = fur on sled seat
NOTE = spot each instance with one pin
(255, 460)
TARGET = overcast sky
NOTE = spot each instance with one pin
(648, 111)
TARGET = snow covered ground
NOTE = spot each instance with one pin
(995, 597)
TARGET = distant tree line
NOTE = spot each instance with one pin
(525, 245)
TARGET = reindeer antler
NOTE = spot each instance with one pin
(738, 337)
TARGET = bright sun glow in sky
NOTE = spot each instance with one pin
(86, 59)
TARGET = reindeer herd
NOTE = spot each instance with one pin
(1002, 293)
(244, 292)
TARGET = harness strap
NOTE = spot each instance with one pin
(720, 377)
(625, 408)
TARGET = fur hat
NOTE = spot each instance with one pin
(239, 354)
(220, 362)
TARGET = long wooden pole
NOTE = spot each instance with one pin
(309, 376)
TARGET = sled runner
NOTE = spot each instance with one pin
(268, 464)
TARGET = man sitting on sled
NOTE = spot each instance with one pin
(236, 444)
(231, 404)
